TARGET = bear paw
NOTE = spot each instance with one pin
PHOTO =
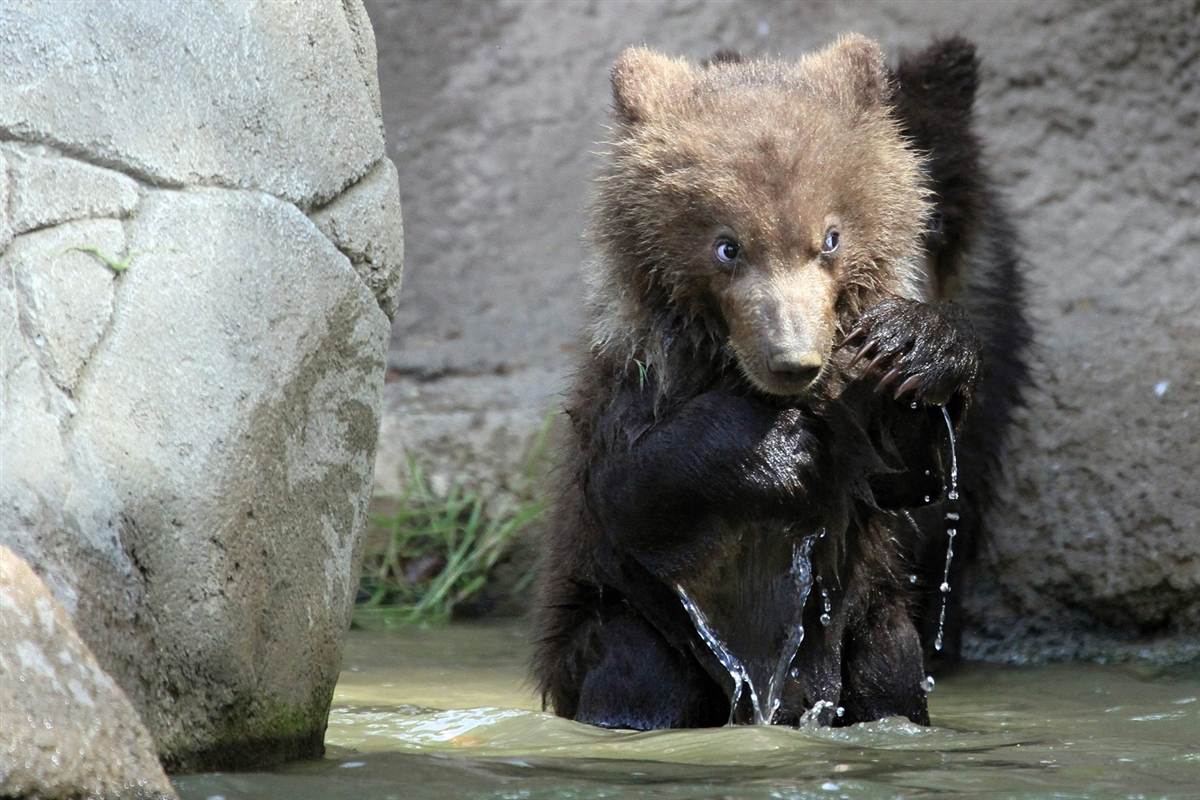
(920, 352)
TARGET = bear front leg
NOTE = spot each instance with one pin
(640, 682)
(923, 352)
(721, 454)
(883, 671)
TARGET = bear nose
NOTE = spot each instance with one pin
(798, 366)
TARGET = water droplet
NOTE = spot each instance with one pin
(927, 684)
(913, 404)
(928, 499)
(952, 516)
(952, 495)
(912, 578)
(952, 532)
(826, 603)
(841, 712)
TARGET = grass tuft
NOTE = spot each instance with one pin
(438, 547)
(109, 261)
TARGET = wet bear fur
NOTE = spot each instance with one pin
(682, 435)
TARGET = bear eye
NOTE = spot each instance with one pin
(832, 237)
(726, 250)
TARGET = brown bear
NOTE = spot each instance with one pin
(761, 406)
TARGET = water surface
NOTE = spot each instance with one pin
(447, 713)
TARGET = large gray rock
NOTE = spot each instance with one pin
(192, 367)
(1090, 111)
(66, 728)
(263, 95)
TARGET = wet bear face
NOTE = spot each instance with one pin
(767, 203)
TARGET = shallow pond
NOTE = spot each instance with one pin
(447, 713)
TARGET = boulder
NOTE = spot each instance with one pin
(193, 365)
(269, 96)
(66, 728)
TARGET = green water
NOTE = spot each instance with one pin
(446, 713)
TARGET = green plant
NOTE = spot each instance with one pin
(109, 261)
(435, 550)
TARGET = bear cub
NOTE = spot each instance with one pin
(748, 519)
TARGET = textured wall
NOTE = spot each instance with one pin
(1090, 109)
(200, 251)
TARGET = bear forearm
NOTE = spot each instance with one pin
(722, 455)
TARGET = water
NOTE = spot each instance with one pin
(748, 603)
(447, 713)
(732, 664)
(951, 530)
(801, 574)
(763, 710)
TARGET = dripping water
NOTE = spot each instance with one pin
(802, 575)
(731, 663)
(826, 605)
(951, 530)
(763, 707)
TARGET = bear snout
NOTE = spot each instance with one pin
(794, 365)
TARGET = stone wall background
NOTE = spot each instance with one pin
(1091, 111)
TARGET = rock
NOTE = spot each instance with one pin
(191, 369)
(204, 490)
(250, 95)
(5, 229)
(240, 381)
(364, 51)
(362, 223)
(1096, 538)
(64, 292)
(66, 728)
(47, 190)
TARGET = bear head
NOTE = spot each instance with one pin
(752, 210)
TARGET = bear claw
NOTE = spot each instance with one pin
(928, 352)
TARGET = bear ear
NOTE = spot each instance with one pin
(946, 71)
(643, 82)
(856, 63)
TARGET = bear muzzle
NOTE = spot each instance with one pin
(797, 366)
